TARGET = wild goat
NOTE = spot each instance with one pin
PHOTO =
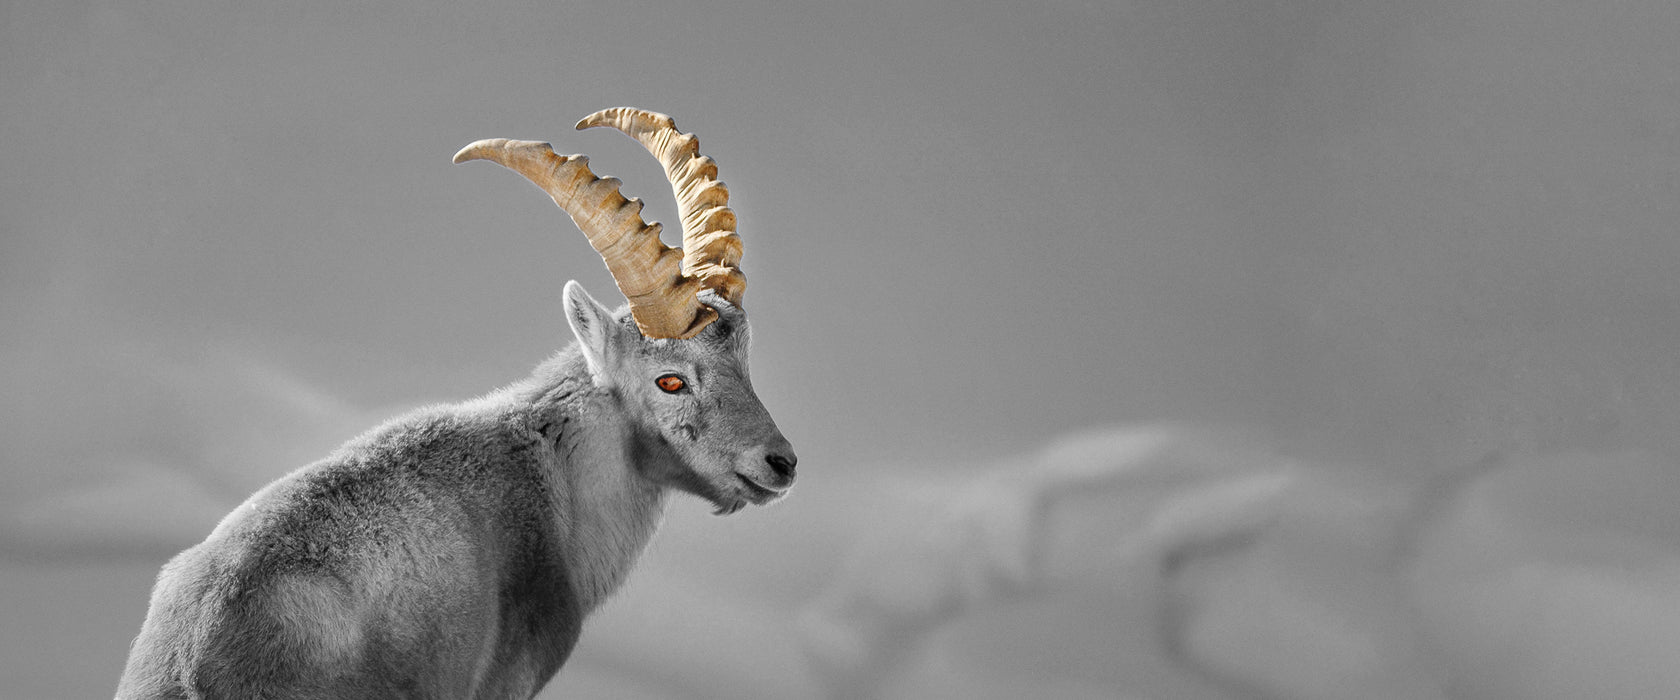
(454, 552)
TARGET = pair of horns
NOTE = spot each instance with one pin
(659, 281)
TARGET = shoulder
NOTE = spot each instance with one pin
(369, 478)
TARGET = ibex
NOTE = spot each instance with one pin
(454, 552)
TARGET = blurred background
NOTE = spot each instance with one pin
(1221, 349)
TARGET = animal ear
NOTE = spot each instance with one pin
(593, 325)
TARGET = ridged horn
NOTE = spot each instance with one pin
(647, 271)
(711, 250)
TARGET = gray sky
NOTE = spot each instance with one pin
(967, 227)
(1403, 233)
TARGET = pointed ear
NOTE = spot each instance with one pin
(593, 325)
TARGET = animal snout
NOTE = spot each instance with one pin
(782, 463)
(768, 469)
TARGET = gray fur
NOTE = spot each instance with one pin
(454, 552)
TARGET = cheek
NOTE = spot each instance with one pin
(681, 419)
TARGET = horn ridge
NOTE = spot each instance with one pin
(649, 273)
(702, 201)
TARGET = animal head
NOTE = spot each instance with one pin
(676, 355)
(694, 396)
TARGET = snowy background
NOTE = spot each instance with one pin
(1223, 349)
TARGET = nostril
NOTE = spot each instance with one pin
(781, 464)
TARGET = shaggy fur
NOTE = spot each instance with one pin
(455, 551)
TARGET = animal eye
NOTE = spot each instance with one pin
(670, 383)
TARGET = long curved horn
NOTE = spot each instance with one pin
(711, 250)
(647, 271)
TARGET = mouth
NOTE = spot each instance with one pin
(729, 498)
(734, 499)
(746, 491)
(758, 493)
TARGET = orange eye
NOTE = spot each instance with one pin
(670, 383)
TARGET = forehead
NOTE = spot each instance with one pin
(722, 341)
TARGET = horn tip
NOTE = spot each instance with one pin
(489, 149)
(473, 151)
(617, 115)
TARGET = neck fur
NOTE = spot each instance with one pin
(607, 509)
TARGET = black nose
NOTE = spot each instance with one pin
(781, 464)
